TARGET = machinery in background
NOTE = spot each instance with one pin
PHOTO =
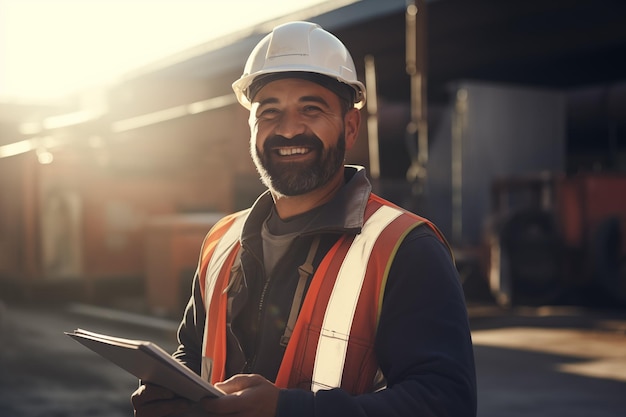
(553, 239)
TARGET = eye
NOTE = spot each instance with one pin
(267, 113)
(311, 109)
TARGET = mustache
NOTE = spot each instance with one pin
(302, 140)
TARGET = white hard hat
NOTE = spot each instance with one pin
(299, 47)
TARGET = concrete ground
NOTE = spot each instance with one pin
(540, 362)
(550, 362)
(45, 373)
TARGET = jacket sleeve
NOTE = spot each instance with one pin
(423, 344)
(190, 330)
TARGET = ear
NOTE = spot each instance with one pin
(352, 121)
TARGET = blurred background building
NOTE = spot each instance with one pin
(503, 122)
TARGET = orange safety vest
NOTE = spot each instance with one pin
(332, 344)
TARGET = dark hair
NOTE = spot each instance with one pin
(345, 93)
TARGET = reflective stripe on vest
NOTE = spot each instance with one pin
(333, 341)
(219, 244)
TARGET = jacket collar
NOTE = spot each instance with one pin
(343, 214)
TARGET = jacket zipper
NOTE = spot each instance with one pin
(260, 313)
(252, 361)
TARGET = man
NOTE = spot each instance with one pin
(322, 299)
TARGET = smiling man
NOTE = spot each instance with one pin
(322, 299)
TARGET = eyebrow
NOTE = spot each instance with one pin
(303, 99)
(269, 100)
(315, 99)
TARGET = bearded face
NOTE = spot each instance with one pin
(287, 168)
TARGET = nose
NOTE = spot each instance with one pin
(290, 125)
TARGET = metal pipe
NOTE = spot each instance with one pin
(372, 118)
(416, 69)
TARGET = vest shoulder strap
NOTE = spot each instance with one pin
(218, 254)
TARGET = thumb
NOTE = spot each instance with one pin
(239, 383)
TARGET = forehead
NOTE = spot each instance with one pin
(295, 89)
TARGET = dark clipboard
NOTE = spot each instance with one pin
(148, 362)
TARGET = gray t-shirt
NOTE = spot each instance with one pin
(278, 234)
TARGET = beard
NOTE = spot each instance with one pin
(297, 178)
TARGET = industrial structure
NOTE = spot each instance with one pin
(503, 122)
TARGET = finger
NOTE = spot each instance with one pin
(151, 400)
(151, 392)
(239, 383)
(248, 395)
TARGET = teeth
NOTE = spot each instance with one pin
(292, 151)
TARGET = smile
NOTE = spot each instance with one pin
(292, 151)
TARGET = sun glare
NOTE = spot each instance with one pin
(51, 48)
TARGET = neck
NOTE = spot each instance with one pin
(289, 206)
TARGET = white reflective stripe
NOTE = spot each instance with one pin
(218, 258)
(333, 342)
